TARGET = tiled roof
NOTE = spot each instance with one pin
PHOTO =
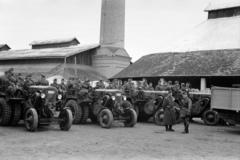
(198, 63)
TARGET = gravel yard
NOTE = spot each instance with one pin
(145, 141)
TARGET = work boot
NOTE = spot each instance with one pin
(170, 129)
(166, 128)
(186, 131)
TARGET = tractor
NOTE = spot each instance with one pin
(41, 109)
(112, 104)
(11, 103)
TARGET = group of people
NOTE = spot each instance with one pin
(177, 93)
(171, 103)
(19, 81)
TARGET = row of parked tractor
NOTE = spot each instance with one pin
(42, 105)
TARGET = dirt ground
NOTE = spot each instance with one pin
(145, 141)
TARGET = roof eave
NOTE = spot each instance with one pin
(22, 58)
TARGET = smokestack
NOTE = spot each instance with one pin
(112, 23)
(111, 57)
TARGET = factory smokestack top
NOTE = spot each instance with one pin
(112, 23)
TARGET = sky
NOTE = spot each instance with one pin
(151, 25)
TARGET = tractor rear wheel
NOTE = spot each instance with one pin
(158, 117)
(106, 118)
(132, 118)
(5, 112)
(149, 108)
(76, 111)
(66, 119)
(16, 114)
(31, 119)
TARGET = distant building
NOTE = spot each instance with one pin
(57, 43)
(66, 58)
(208, 55)
(4, 47)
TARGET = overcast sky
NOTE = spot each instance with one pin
(151, 25)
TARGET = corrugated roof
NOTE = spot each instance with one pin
(222, 4)
(112, 51)
(54, 69)
(199, 63)
(213, 34)
(45, 53)
(55, 41)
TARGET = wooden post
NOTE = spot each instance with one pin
(203, 84)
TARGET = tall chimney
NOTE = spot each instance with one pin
(111, 57)
(112, 23)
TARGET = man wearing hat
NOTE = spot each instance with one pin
(185, 110)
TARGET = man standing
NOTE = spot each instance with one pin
(169, 113)
(185, 110)
(62, 86)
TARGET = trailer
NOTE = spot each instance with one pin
(226, 101)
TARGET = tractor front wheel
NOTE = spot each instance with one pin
(106, 118)
(31, 119)
(65, 119)
(132, 118)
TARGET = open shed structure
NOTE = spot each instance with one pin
(53, 58)
(209, 55)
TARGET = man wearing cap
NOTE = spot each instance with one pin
(55, 84)
(62, 86)
(86, 84)
(43, 81)
(101, 84)
(185, 110)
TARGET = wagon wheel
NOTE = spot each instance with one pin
(132, 118)
(65, 119)
(5, 112)
(31, 119)
(210, 117)
(106, 118)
